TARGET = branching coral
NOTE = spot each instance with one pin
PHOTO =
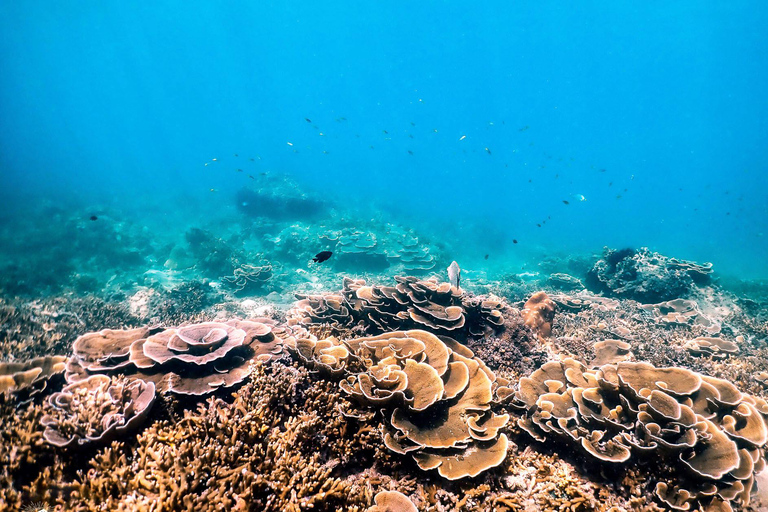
(275, 448)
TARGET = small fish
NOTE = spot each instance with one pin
(308, 120)
(214, 190)
(538, 225)
(486, 256)
(239, 170)
(93, 217)
(488, 151)
(322, 256)
(251, 176)
(410, 135)
(410, 152)
(514, 240)
(385, 131)
(251, 159)
(413, 124)
(435, 130)
(565, 202)
(289, 143)
(602, 170)
(236, 154)
(523, 128)
(214, 159)
(454, 275)
(462, 137)
(610, 184)
(262, 174)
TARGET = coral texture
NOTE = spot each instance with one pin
(410, 304)
(439, 395)
(96, 410)
(713, 435)
(193, 359)
(645, 276)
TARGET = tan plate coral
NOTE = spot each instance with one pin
(30, 376)
(96, 409)
(713, 435)
(194, 359)
(411, 304)
(438, 393)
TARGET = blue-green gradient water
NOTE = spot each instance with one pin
(474, 121)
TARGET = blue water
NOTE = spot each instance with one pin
(513, 108)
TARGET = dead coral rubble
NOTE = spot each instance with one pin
(714, 435)
(193, 359)
(438, 393)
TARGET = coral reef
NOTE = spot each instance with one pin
(30, 377)
(193, 359)
(711, 435)
(538, 313)
(410, 304)
(96, 410)
(645, 276)
(438, 392)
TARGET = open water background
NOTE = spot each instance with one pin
(472, 120)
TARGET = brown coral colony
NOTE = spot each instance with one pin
(400, 355)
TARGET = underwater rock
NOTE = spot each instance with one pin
(711, 433)
(194, 359)
(96, 410)
(438, 392)
(410, 304)
(645, 276)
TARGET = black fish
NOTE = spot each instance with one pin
(514, 240)
(93, 217)
(410, 152)
(486, 256)
(538, 225)
(308, 120)
(565, 202)
(322, 256)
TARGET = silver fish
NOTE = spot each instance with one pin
(454, 275)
